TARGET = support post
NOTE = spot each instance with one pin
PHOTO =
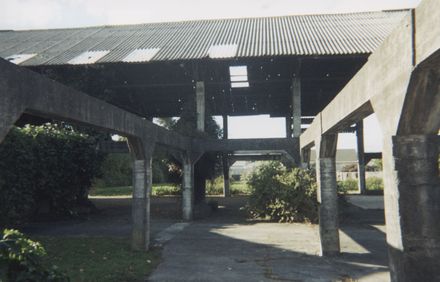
(200, 105)
(327, 194)
(138, 205)
(226, 182)
(289, 131)
(188, 190)
(305, 158)
(412, 205)
(142, 155)
(296, 106)
(361, 157)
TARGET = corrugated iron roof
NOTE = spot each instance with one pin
(335, 34)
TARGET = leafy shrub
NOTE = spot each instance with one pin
(282, 195)
(347, 185)
(23, 259)
(49, 165)
(215, 187)
(116, 170)
(374, 183)
(166, 189)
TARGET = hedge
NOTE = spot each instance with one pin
(46, 167)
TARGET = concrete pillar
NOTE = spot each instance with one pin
(327, 194)
(361, 157)
(226, 182)
(296, 106)
(142, 183)
(289, 131)
(200, 105)
(412, 207)
(188, 190)
(305, 158)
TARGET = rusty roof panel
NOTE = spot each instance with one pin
(333, 34)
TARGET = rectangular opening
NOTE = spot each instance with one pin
(239, 76)
(19, 58)
(141, 55)
(88, 57)
(222, 51)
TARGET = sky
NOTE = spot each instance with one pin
(43, 14)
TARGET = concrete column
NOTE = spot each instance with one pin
(200, 105)
(412, 207)
(289, 131)
(149, 189)
(305, 158)
(327, 194)
(361, 157)
(226, 182)
(188, 190)
(140, 205)
(296, 106)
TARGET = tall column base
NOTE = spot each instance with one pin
(412, 207)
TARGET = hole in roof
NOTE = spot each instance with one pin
(88, 57)
(239, 77)
(19, 58)
(222, 51)
(239, 84)
(141, 55)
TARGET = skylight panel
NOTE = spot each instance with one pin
(238, 70)
(141, 55)
(20, 58)
(88, 57)
(222, 51)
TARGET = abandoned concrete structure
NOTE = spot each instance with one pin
(302, 68)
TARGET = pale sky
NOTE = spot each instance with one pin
(43, 14)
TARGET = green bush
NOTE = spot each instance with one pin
(282, 195)
(166, 189)
(48, 166)
(22, 259)
(374, 183)
(116, 171)
(347, 185)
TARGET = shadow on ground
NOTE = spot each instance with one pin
(228, 247)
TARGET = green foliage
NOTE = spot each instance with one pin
(215, 187)
(49, 165)
(23, 259)
(374, 183)
(347, 185)
(116, 170)
(282, 195)
(166, 189)
(99, 258)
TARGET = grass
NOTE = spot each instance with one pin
(170, 189)
(99, 258)
(160, 189)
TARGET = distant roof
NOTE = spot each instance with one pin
(308, 35)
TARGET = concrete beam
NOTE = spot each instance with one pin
(23, 90)
(288, 145)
